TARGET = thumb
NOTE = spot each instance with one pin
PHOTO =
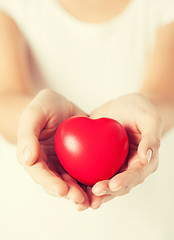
(147, 148)
(31, 122)
(151, 130)
(75, 110)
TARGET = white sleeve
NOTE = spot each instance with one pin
(15, 8)
(7, 6)
(166, 12)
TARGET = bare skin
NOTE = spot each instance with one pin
(94, 10)
(19, 99)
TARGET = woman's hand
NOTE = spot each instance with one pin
(35, 145)
(144, 128)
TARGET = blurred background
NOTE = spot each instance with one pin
(26, 211)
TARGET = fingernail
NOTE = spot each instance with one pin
(97, 190)
(79, 202)
(94, 205)
(118, 189)
(82, 206)
(78, 207)
(115, 187)
(56, 194)
(27, 154)
(102, 193)
(149, 155)
(82, 200)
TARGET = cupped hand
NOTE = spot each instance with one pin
(144, 128)
(35, 145)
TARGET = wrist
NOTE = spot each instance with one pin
(164, 106)
(12, 105)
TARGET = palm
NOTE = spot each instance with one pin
(48, 159)
(48, 156)
(134, 137)
(42, 117)
(121, 113)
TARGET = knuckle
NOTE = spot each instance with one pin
(45, 98)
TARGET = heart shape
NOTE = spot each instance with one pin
(91, 150)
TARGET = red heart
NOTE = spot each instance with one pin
(91, 150)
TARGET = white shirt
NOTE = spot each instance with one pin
(89, 64)
(79, 59)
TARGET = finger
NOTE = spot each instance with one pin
(113, 195)
(101, 188)
(130, 178)
(78, 206)
(151, 129)
(135, 174)
(75, 192)
(95, 201)
(75, 110)
(107, 198)
(31, 122)
(50, 180)
(122, 191)
(148, 146)
(83, 206)
(50, 192)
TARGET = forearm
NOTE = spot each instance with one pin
(158, 84)
(11, 107)
(164, 105)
